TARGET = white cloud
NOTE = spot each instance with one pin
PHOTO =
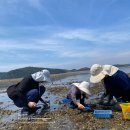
(80, 54)
(41, 7)
(56, 43)
(123, 55)
(97, 36)
(8, 67)
(82, 34)
(28, 45)
(63, 45)
(115, 37)
(56, 34)
(19, 10)
(63, 65)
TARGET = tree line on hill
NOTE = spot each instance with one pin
(22, 72)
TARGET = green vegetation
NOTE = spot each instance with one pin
(22, 72)
(122, 65)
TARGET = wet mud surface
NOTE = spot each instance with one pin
(86, 121)
(59, 116)
(58, 90)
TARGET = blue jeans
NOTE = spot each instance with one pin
(32, 95)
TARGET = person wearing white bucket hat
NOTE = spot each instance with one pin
(79, 91)
(42, 76)
(116, 82)
(28, 92)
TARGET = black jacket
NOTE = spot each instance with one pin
(20, 89)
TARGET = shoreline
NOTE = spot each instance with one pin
(7, 82)
(68, 118)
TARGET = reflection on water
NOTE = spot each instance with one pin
(70, 79)
(6, 103)
(83, 77)
(125, 69)
(77, 78)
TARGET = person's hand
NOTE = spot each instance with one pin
(80, 106)
(32, 104)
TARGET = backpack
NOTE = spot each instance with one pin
(12, 91)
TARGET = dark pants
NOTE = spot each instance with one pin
(72, 104)
(32, 95)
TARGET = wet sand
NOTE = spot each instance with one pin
(74, 119)
(66, 118)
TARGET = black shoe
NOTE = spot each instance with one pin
(25, 111)
(33, 110)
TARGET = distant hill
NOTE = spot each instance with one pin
(22, 72)
(122, 65)
(85, 68)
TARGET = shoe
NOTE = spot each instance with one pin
(87, 109)
(72, 106)
(33, 110)
(25, 111)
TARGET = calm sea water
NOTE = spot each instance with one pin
(84, 77)
(125, 69)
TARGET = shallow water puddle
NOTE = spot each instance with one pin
(9, 112)
(70, 79)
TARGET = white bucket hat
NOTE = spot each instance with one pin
(98, 72)
(41, 76)
(83, 86)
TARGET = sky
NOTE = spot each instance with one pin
(65, 34)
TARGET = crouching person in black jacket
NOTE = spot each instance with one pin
(28, 92)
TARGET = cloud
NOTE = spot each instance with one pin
(25, 12)
(35, 44)
(11, 66)
(42, 8)
(63, 47)
(98, 36)
(115, 37)
(82, 34)
(123, 55)
(70, 43)
(80, 54)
